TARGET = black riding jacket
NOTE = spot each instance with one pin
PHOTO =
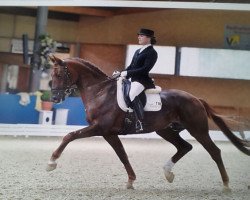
(140, 66)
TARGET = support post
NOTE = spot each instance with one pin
(35, 73)
(177, 61)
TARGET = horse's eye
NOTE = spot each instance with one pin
(59, 76)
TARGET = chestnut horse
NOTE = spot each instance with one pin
(98, 92)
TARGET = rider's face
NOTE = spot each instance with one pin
(143, 39)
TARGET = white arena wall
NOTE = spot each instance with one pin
(27, 130)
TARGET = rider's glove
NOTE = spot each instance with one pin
(116, 73)
(124, 73)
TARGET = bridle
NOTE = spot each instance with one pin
(68, 86)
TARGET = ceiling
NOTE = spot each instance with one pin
(111, 11)
(73, 13)
(208, 1)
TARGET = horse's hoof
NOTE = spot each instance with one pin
(130, 185)
(169, 176)
(51, 166)
(226, 190)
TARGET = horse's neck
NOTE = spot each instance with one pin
(93, 92)
(90, 80)
(88, 77)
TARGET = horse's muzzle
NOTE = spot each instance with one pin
(58, 96)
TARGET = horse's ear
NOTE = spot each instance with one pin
(55, 59)
(52, 58)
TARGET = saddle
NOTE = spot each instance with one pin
(150, 98)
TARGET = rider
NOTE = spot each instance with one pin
(142, 62)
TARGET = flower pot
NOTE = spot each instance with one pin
(47, 105)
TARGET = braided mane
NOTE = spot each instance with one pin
(89, 65)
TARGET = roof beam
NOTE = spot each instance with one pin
(135, 4)
(82, 11)
(126, 11)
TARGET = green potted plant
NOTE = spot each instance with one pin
(47, 103)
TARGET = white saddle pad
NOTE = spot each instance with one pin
(153, 102)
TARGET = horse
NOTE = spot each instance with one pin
(98, 93)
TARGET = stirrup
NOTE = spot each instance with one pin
(138, 126)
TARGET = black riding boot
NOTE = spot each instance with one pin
(136, 105)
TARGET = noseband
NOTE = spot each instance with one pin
(67, 84)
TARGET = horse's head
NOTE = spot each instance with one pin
(69, 72)
(61, 80)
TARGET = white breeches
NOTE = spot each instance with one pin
(136, 89)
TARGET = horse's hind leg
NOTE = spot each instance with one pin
(182, 146)
(116, 144)
(214, 152)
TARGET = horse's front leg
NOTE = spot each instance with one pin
(89, 131)
(116, 144)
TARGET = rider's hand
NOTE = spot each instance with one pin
(124, 73)
(116, 73)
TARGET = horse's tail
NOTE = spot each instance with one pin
(239, 143)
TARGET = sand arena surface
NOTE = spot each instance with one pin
(89, 169)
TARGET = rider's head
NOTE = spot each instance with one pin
(146, 36)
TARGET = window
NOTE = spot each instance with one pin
(219, 63)
(200, 62)
(166, 59)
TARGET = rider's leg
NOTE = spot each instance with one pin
(139, 113)
(136, 89)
